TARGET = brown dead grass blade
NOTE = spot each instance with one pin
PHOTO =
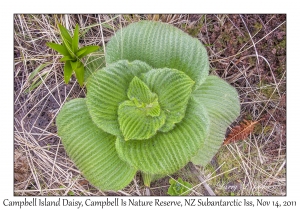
(241, 131)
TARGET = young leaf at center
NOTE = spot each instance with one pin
(136, 124)
(138, 90)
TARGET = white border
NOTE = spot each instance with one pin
(141, 7)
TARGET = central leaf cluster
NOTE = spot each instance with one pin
(141, 116)
(145, 100)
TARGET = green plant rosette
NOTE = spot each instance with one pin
(153, 108)
(72, 55)
(179, 187)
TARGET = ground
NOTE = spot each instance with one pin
(248, 51)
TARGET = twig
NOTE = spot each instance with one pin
(201, 179)
(137, 187)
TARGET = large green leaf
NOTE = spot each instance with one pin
(173, 88)
(166, 152)
(135, 123)
(142, 97)
(92, 150)
(222, 103)
(153, 108)
(159, 45)
(107, 89)
(140, 92)
(93, 63)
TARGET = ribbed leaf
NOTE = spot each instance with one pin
(153, 109)
(107, 89)
(167, 152)
(93, 63)
(135, 123)
(138, 90)
(222, 103)
(173, 88)
(92, 150)
(143, 98)
(159, 45)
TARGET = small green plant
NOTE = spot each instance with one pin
(179, 187)
(35, 79)
(153, 108)
(72, 53)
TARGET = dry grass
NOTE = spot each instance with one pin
(247, 51)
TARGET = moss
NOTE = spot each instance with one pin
(71, 193)
(131, 18)
(270, 92)
(248, 116)
(252, 61)
(195, 30)
(257, 27)
(282, 44)
(259, 129)
(242, 39)
(225, 164)
(224, 39)
(280, 71)
(187, 175)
